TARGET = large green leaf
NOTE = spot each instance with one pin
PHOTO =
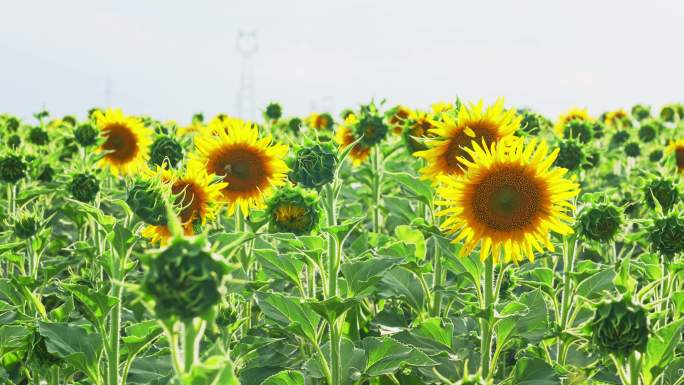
(660, 350)
(414, 237)
(286, 377)
(216, 370)
(290, 313)
(400, 282)
(362, 276)
(386, 355)
(78, 347)
(281, 266)
(593, 286)
(97, 303)
(533, 371)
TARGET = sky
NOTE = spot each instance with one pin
(170, 59)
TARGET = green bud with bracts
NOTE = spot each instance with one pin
(666, 235)
(84, 187)
(86, 135)
(664, 191)
(600, 222)
(314, 165)
(655, 156)
(641, 112)
(26, 225)
(185, 279)
(620, 327)
(579, 129)
(146, 200)
(372, 128)
(166, 150)
(14, 141)
(273, 111)
(293, 210)
(38, 136)
(649, 130)
(12, 169)
(571, 155)
(632, 150)
(533, 123)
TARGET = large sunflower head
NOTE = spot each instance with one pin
(508, 201)
(250, 165)
(453, 137)
(677, 148)
(197, 197)
(126, 142)
(574, 113)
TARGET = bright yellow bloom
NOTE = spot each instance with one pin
(126, 144)
(453, 137)
(677, 148)
(344, 136)
(574, 113)
(441, 107)
(250, 165)
(615, 118)
(508, 201)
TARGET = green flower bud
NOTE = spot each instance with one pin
(580, 130)
(345, 113)
(641, 112)
(86, 135)
(620, 327)
(600, 222)
(599, 130)
(666, 235)
(373, 130)
(84, 187)
(648, 131)
(70, 120)
(533, 123)
(198, 118)
(147, 202)
(12, 169)
(47, 174)
(655, 156)
(185, 279)
(166, 149)
(273, 111)
(619, 138)
(291, 210)
(69, 148)
(632, 150)
(294, 125)
(664, 190)
(26, 226)
(571, 155)
(38, 136)
(668, 113)
(314, 165)
(14, 141)
(593, 158)
(12, 124)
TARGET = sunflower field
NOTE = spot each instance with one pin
(463, 243)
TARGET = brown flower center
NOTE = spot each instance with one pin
(120, 143)
(483, 130)
(189, 198)
(241, 167)
(679, 156)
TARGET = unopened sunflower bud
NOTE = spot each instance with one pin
(600, 222)
(292, 210)
(620, 327)
(314, 166)
(166, 150)
(84, 187)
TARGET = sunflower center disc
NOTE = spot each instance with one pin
(120, 143)
(679, 155)
(241, 168)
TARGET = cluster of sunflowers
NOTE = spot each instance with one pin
(464, 244)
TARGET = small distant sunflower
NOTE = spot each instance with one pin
(454, 136)
(126, 142)
(397, 117)
(509, 200)
(197, 197)
(195, 126)
(293, 210)
(419, 126)
(250, 165)
(617, 118)
(574, 113)
(322, 121)
(677, 148)
(346, 135)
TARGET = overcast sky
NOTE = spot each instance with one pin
(171, 58)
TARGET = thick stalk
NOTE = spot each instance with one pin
(333, 267)
(487, 322)
(114, 337)
(437, 282)
(634, 369)
(32, 259)
(377, 188)
(568, 262)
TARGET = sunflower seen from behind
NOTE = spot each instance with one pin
(251, 166)
(454, 135)
(509, 200)
(197, 198)
(126, 142)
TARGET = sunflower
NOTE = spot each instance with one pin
(509, 200)
(397, 117)
(419, 126)
(251, 166)
(197, 197)
(574, 113)
(322, 121)
(345, 136)
(617, 118)
(441, 107)
(677, 147)
(473, 123)
(126, 142)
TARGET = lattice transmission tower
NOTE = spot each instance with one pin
(247, 46)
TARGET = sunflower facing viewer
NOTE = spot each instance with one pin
(454, 136)
(677, 148)
(508, 201)
(126, 142)
(251, 166)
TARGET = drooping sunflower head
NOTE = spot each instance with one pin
(126, 142)
(292, 210)
(570, 115)
(677, 149)
(346, 135)
(196, 197)
(508, 201)
(251, 166)
(453, 137)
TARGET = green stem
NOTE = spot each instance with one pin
(192, 336)
(333, 270)
(437, 282)
(335, 358)
(377, 188)
(634, 369)
(32, 257)
(114, 338)
(568, 263)
(487, 322)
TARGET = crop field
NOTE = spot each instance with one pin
(458, 243)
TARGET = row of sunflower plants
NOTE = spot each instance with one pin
(462, 244)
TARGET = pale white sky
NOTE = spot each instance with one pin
(172, 58)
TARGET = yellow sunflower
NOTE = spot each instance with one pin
(197, 197)
(574, 113)
(126, 144)
(397, 119)
(473, 123)
(509, 200)
(318, 121)
(441, 107)
(251, 166)
(615, 118)
(677, 148)
(344, 136)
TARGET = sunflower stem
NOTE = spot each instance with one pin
(568, 264)
(634, 369)
(488, 317)
(377, 187)
(333, 270)
(437, 281)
